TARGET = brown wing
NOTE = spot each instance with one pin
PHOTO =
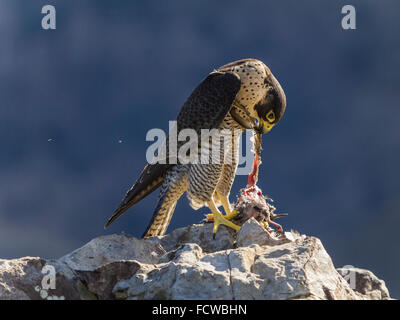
(210, 102)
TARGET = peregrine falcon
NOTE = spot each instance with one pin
(240, 95)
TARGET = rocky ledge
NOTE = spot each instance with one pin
(189, 264)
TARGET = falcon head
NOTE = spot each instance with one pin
(271, 107)
(266, 105)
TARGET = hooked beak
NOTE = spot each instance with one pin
(261, 127)
(265, 127)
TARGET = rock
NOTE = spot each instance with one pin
(250, 264)
(89, 272)
(104, 250)
(252, 232)
(200, 234)
(365, 283)
(18, 278)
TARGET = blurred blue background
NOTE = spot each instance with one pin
(76, 103)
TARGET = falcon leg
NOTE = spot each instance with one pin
(229, 214)
(219, 218)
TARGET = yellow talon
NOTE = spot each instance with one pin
(229, 216)
(229, 213)
(232, 214)
(219, 219)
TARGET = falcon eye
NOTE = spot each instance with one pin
(270, 116)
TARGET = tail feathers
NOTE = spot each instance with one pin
(174, 186)
(150, 179)
(160, 221)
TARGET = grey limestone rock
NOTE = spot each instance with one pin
(189, 264)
